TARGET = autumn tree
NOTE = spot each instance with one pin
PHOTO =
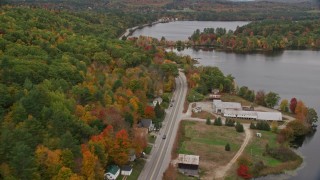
(284, 105)
(272, 99)
(149, 112)
(293, 105)
(260, 98)
(243, 171)
(301, 111)
(312, 116)
(120, 150)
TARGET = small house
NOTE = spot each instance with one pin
(126, 170)
(112, 173)
(146, 123)
(132, 155)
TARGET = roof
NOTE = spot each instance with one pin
(126, 168)
(226, 105)
(188, 159)
(145, 123)
(274, 116)
(113, 169)
(157, 100)
(241, 113)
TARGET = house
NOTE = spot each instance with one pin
(132, 155)
(188, 164)
(126, 170)
(146, 123)
(112, 172)
(157, 100)
(220, 106)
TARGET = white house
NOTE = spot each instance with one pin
(220, 106)
(112, 173)
(126, 170)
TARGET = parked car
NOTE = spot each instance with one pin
(164, 137)
(171, 104)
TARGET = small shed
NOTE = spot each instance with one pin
(188, 164)
(112, 173)
(126, 170)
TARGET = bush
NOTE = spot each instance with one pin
(227, 147)
(208, 121)
(252, 126)
(243, 171)
(257, 167)
(239, 127)
(283, 154)
(244, 160)
(217, 122)
(229, 122)
(263, 125)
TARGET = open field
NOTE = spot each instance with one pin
(203, 115)
(256, 151)
(234, 98)
(209, 141)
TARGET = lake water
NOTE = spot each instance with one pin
(289, 73)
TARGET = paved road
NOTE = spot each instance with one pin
(161, 153)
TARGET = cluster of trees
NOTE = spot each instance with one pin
(270, 99)
(260, 125)
(267, 35)
(71, 94)
(202, 80)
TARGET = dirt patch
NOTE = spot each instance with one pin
(203, 115)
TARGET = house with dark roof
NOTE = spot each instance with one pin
(112, 173)
(146, 123)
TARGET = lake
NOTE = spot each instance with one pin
(292, 73)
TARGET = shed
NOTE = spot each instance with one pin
(188, 164)
(112, 172)
(126, 170)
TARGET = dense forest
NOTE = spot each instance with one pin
(72, 94)
(267, 35)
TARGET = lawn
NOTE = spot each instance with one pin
(255, 150)
(203, 115)
(235, 98)
(148, 149)
(208, 142)
(151, 139)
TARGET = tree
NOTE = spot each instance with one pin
(293, 105)
(272, 99)
(252, 126)
(312, 116)
(274, 127)
(301, 111)
(159, 112)
(227, 147)
(217, 122)
(229, 122)
(149, 112)
(284, 105)
(260, 98)
(208, 121)
(239, 127)
(243, 171)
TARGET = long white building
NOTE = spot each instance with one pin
(256, 115)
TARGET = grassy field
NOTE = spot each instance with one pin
(151, 139)
(235, 98)
(208, 142)
(255, 150)
(203, 115)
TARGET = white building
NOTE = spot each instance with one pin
(256, 115)
(126, 170)
(112, 173)
(220, 107)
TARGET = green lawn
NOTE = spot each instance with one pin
(148, 149)
(151, 139)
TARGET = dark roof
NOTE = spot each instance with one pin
(113, 169)
(126, 168)
(145, 123)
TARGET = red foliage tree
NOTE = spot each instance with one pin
(243, 172)
(293, 105)
(149, 112)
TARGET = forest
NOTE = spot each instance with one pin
(72, 94)
(261, 36)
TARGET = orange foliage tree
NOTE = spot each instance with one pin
(301, 111)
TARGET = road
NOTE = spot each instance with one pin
(160, 156)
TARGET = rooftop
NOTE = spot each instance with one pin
(226, 105)
(113, 169)
(188, 159)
